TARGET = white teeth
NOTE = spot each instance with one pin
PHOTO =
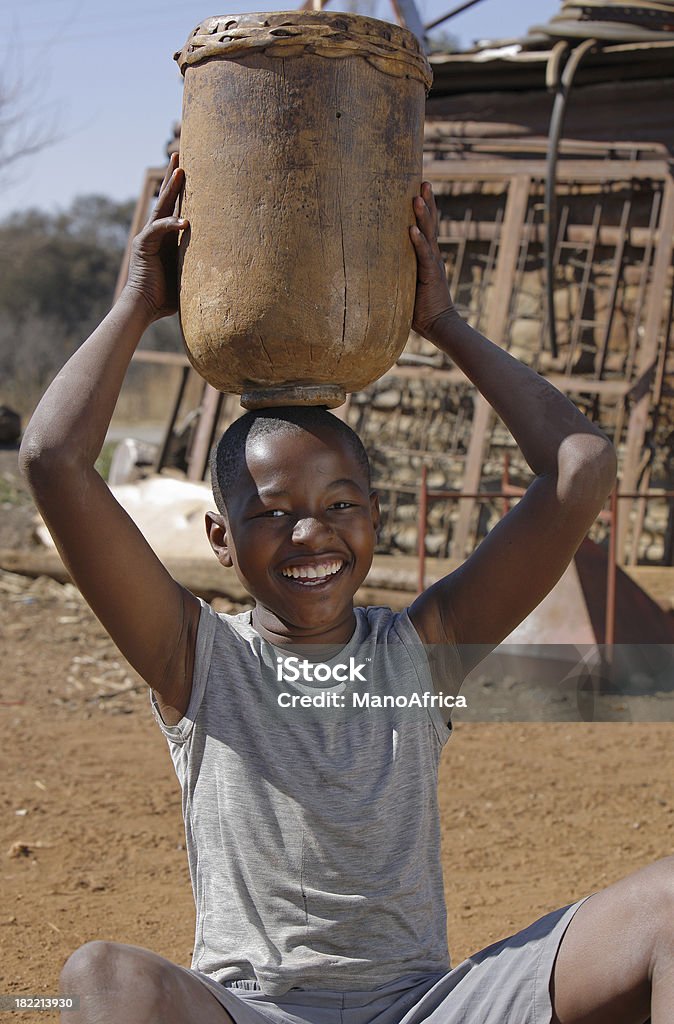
(312, 572)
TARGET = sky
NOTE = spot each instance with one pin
(98, 79)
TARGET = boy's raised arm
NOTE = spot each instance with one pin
(151, 618)
(523, 557)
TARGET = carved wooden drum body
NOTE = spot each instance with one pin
(302, 143)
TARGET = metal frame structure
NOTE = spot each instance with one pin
(611, 293)
(615, 223)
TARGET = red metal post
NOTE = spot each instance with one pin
(505, 481)
(611, 571)
(423, 510)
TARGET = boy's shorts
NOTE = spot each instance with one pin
(506, 983)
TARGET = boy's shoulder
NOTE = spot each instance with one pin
(378, 623)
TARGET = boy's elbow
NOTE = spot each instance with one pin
(39, 459)
(588, 470)
(34, 462)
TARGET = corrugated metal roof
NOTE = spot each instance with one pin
(516, 68)
(633, 41)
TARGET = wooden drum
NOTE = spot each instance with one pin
(302, 142)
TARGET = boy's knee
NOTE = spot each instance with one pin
(116, 971)
(95, 965)
(655, 898)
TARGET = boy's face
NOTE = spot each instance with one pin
(300, 531)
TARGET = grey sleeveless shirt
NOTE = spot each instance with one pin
(312, 832)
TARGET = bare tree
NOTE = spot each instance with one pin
(27, 123)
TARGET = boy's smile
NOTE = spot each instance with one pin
(300, 532)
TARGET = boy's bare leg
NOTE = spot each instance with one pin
(120, 984)
(616, 961)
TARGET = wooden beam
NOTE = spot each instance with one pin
(389, 576)
(485, 231)
(587, 171)
(161, 358)
(197, 459)
(515, 212)
(408, 16)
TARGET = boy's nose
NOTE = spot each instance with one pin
(311, 531)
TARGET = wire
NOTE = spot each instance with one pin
(451, 14)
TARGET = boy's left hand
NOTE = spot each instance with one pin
(433, 302)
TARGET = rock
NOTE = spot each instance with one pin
(435, 544)
(18, 849)
(10, 425)
(131, 460)
(389, 399)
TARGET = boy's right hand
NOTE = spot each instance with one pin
(153, 267)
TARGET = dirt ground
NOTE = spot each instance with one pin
(533, 815)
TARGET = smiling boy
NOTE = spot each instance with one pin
(313, 838)
(303, 571)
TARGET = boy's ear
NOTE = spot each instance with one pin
(216, 531)
(375, 511)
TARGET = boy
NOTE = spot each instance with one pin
(313, 839)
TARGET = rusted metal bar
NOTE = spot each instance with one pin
(492, 256)
(634, 336)
(648, 353)
(505, 481)
(638, 522)
(510, 492)
(560, 244)
(579, 323)
(658, 385)
(611, 572)
(451, 14)
(649, 494)
(461, 243)
(562, 91)
(450, 375)
(163, 451)
(616, 276)
(423, 511)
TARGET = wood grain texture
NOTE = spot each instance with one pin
(297, 268)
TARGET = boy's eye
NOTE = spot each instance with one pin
(272, 513)
(342, 504)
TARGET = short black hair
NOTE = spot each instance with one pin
(228, 456)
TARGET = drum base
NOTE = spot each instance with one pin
(330, 395)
